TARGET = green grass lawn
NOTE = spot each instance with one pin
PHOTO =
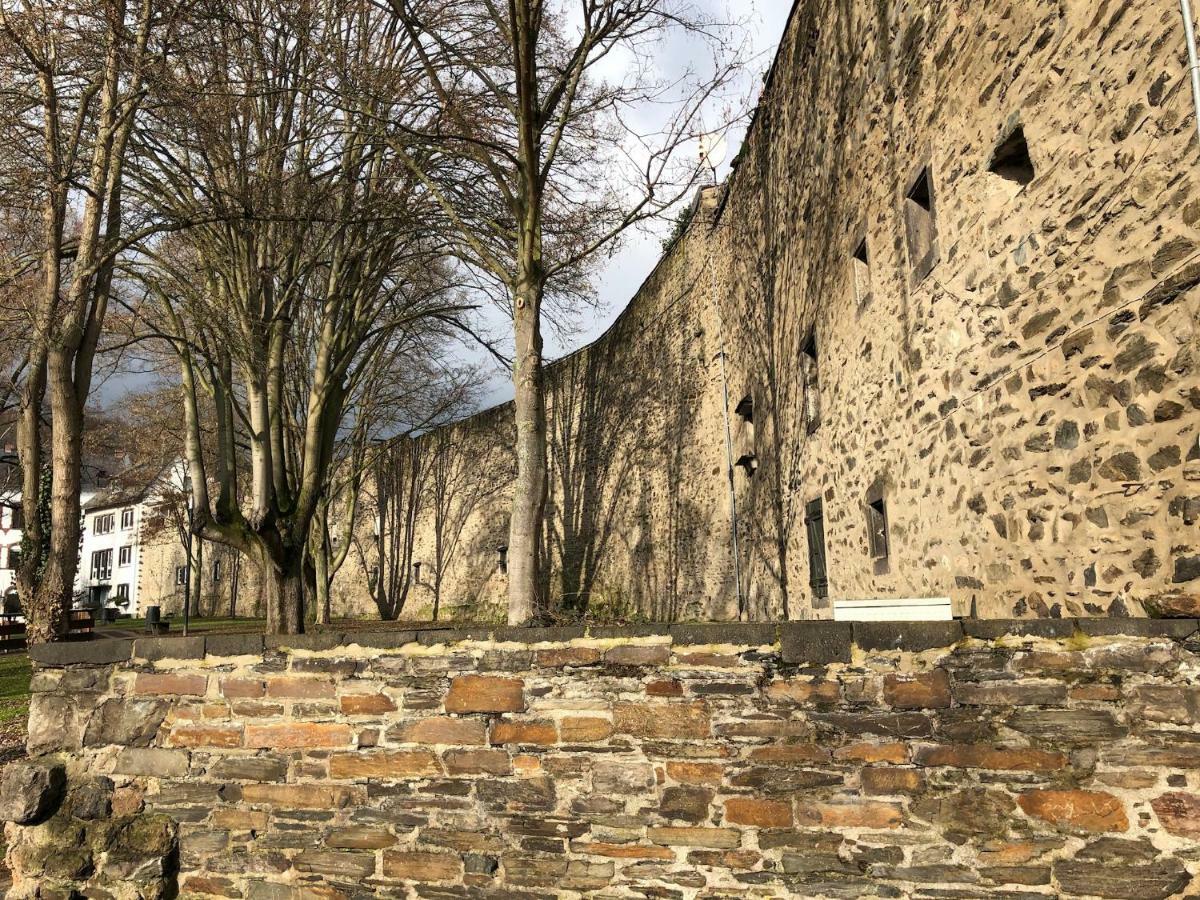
(14, 688)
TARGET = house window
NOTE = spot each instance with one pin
(14, 557)
(502, 552)
(877, 531)
(103, 524)
(860, 265)
(1011, 162)
(125, 555)
(102, 565)
(180, 575)
(811, 383)
(920, 227)
(127, 518)
(123, 594)
(216, 571)
(818, 578)
(16, 516)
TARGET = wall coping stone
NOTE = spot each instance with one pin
(813, 642)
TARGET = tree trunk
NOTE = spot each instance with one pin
(285, 595)
(196, 573)
(323, 579)
(529, 498)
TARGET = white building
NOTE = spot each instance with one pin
(11, 523)
(110, 553)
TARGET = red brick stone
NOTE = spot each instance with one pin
(873, 753)
(891, 781)
(288, 687)
(665, 687)
(418, 866)
(622, 851)
(441, 730)
(1092, 811)
(170, 684)
(1179, 813)
(508, 732)
(790, 753)
(758, 813)
(367, 704)
(635, 655)
(713, 660)
(1101, 693)
(871, 814)
(978, 756)
(695, 772)
(584, 729)
(296, 796)
(803, 691)
(299, 735)
(478, 762)
(242, 688)
(662, 720)
(568, 656)
(205, 736)
(485, 693)
(395, 764)
(930, 690)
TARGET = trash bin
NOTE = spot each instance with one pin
(153, 615)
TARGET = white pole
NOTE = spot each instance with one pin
(1189, 31)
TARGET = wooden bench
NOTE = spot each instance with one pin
(12, 629)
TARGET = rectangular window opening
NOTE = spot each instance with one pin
(126, 519)
(181, 575)
(125, 555)
(122, 594)
(861, 266)
(818, 577)
(104, 524)
(102, 565)
(745, 409)
(877, 530)
(810, 379)
(920, 226)
(216, 571)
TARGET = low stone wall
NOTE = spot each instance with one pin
(973, 759)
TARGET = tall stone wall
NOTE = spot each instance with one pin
(638, 510)
(1023, 397)
(974, 759)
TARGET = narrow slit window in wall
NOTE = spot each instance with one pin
(814, 521)
(748, 463)
(920, 227)
(811, 382)
(877, 530)
(1011, 161)
(860, 264)
(502, 553)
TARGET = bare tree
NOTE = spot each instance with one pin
(74, 75)
(551, 164)
(308, 256)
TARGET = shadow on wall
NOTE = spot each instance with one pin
(622, 413)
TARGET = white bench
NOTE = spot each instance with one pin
(889, 609)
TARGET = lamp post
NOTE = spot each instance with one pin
(187, 568)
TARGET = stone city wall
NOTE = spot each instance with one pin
(959, 759)
(1010, 370)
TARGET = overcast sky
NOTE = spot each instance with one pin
(617, 279)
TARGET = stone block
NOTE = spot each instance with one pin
(584, 729)
(170, 684)
(638, 655)
(156, 648)
(366, 704)
(758, 813)
(152, 761)
(1076, 810)
(914, 637)
(29, 792)
(929, 690)
(131, 722)
(486, 694)
(695, 836)
(298, 735)
(440, 730)
(289, 687)
(223, 645)
(974, 756)
(422, 866)
(507, 731)
(559, 657)
(816, 643)
(1179, 813)
(670, 721)
(94, 652)
(477, 762)
(386, 765)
